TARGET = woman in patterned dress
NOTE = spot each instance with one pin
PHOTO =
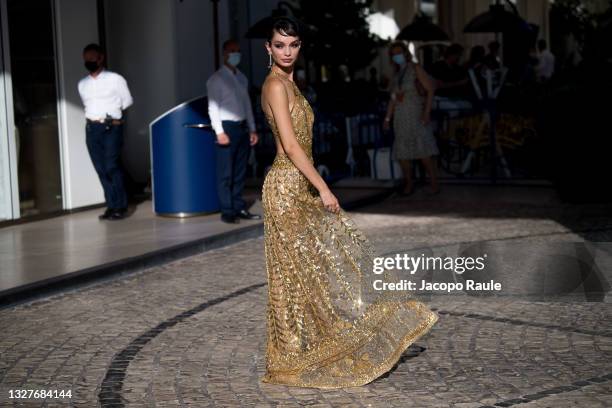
(327, 326)
(411, 111)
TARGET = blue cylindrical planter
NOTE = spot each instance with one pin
(183, 161)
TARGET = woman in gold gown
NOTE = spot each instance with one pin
(326, 325)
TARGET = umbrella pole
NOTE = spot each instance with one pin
(499, 37)
(492, 138)
(216, 30)
(491, 112)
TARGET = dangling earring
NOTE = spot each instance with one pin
(270, 63)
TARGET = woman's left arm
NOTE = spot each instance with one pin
(423, 78)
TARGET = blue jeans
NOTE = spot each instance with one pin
(104, 146)
(231, 167)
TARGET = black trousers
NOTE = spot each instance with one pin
(231, 167)
(104, 145)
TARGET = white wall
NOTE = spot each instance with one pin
(8, 192)
(140, 38)
(6, 210)
(164, 49)
(76, 26)
(195, 45)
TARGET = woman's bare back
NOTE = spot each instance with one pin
(265, 105)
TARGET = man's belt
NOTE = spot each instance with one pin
(114, 122)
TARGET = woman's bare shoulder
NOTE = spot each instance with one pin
(273, 87)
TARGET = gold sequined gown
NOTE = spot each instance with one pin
(326, 326)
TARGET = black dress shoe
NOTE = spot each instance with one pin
(248, 216)
(106, 214)
(116, 215)
(230, 219)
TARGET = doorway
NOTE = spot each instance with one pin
(31, 64)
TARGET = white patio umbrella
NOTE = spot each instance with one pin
(383, 25)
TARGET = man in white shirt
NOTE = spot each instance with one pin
(105, 95)
(231, 116)
(546, 63)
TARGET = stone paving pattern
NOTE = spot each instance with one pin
(501, 351)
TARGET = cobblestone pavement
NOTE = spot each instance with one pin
(192, 333)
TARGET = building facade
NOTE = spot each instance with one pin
(164, 49)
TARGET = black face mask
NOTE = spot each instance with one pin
(92, 66)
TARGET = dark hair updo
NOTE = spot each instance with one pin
(285, 26)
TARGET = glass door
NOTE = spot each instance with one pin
(34, 99)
